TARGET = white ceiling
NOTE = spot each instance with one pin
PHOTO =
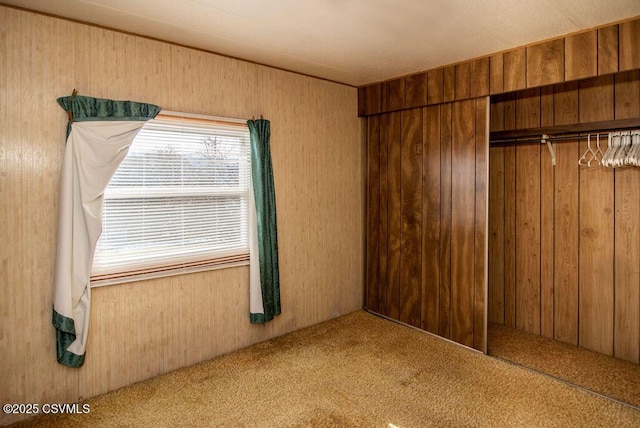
(350, 41)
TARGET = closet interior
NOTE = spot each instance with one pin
(564, 238)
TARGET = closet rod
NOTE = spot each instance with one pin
(541, 139)
(560, 132)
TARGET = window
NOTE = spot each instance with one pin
(178, 202)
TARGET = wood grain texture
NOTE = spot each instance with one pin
(134, 334)
(629, 48)
(496, 223)
(596, 99)
(383, 226)
(627, 255)
(547, 179)
(435, 86)
(528, 238)
(463, 152)
(446, 171)
(596, 259)
(581, 55)
(396, 94)
(481, 224)
(462, 81)
(497, 113)
(448, 85)
(373, 99)
(627, 95)
(547, 106)
(608, 50)
(565, 103)
(479, 84)
(510, 111)
(373, 212)
(545, 63)
(395, 179)
(411, 218)
(510, 255)
(415, 90)
(431, 218)
(362, 101)
(566, 243)
(528, 108)
(515, 69)
(496, 74)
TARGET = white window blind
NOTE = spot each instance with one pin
(178, 202)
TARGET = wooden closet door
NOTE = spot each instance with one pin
(427, 199)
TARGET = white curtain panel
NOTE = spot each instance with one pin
(93, 152)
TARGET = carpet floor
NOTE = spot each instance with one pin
(358, 370)
(600, 373)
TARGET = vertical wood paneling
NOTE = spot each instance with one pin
(373, 211)
(546, 106)
(479, 84)
(510, 180)
(496, 115)
(463, 81)
(415, 90)
(627, 95)
(528, 109)
(448, 85)
(496, 77)
(411, 218)
(627, 256)
(362, 101)
(596, 99)
(515, 69)
(547, 178)
(581, 55)
(462, 220)
(545, 63)
(629, 49)
(496, 235)
(481, 226)
(373, 102)
(565, 103)
(383, 235)
(608, 50)
(566, 243)
(431, 218)
(396, 94)
(435, 86)
(510, 111)
(596, 260)
(528, 238)
(446, 170)
(395, 179)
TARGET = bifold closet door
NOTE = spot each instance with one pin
(427, 175)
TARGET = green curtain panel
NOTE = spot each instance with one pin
(98, 140)
(265, 223)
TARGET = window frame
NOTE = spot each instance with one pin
(196, 265)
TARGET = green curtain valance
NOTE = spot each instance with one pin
(83, 108)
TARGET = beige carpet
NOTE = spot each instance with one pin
(354, 371)
(598, 372)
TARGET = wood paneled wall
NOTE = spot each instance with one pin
(564, 241)
(597, 52)
(144, 329)
(426, 226)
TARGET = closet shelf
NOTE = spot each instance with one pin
(513, 136)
